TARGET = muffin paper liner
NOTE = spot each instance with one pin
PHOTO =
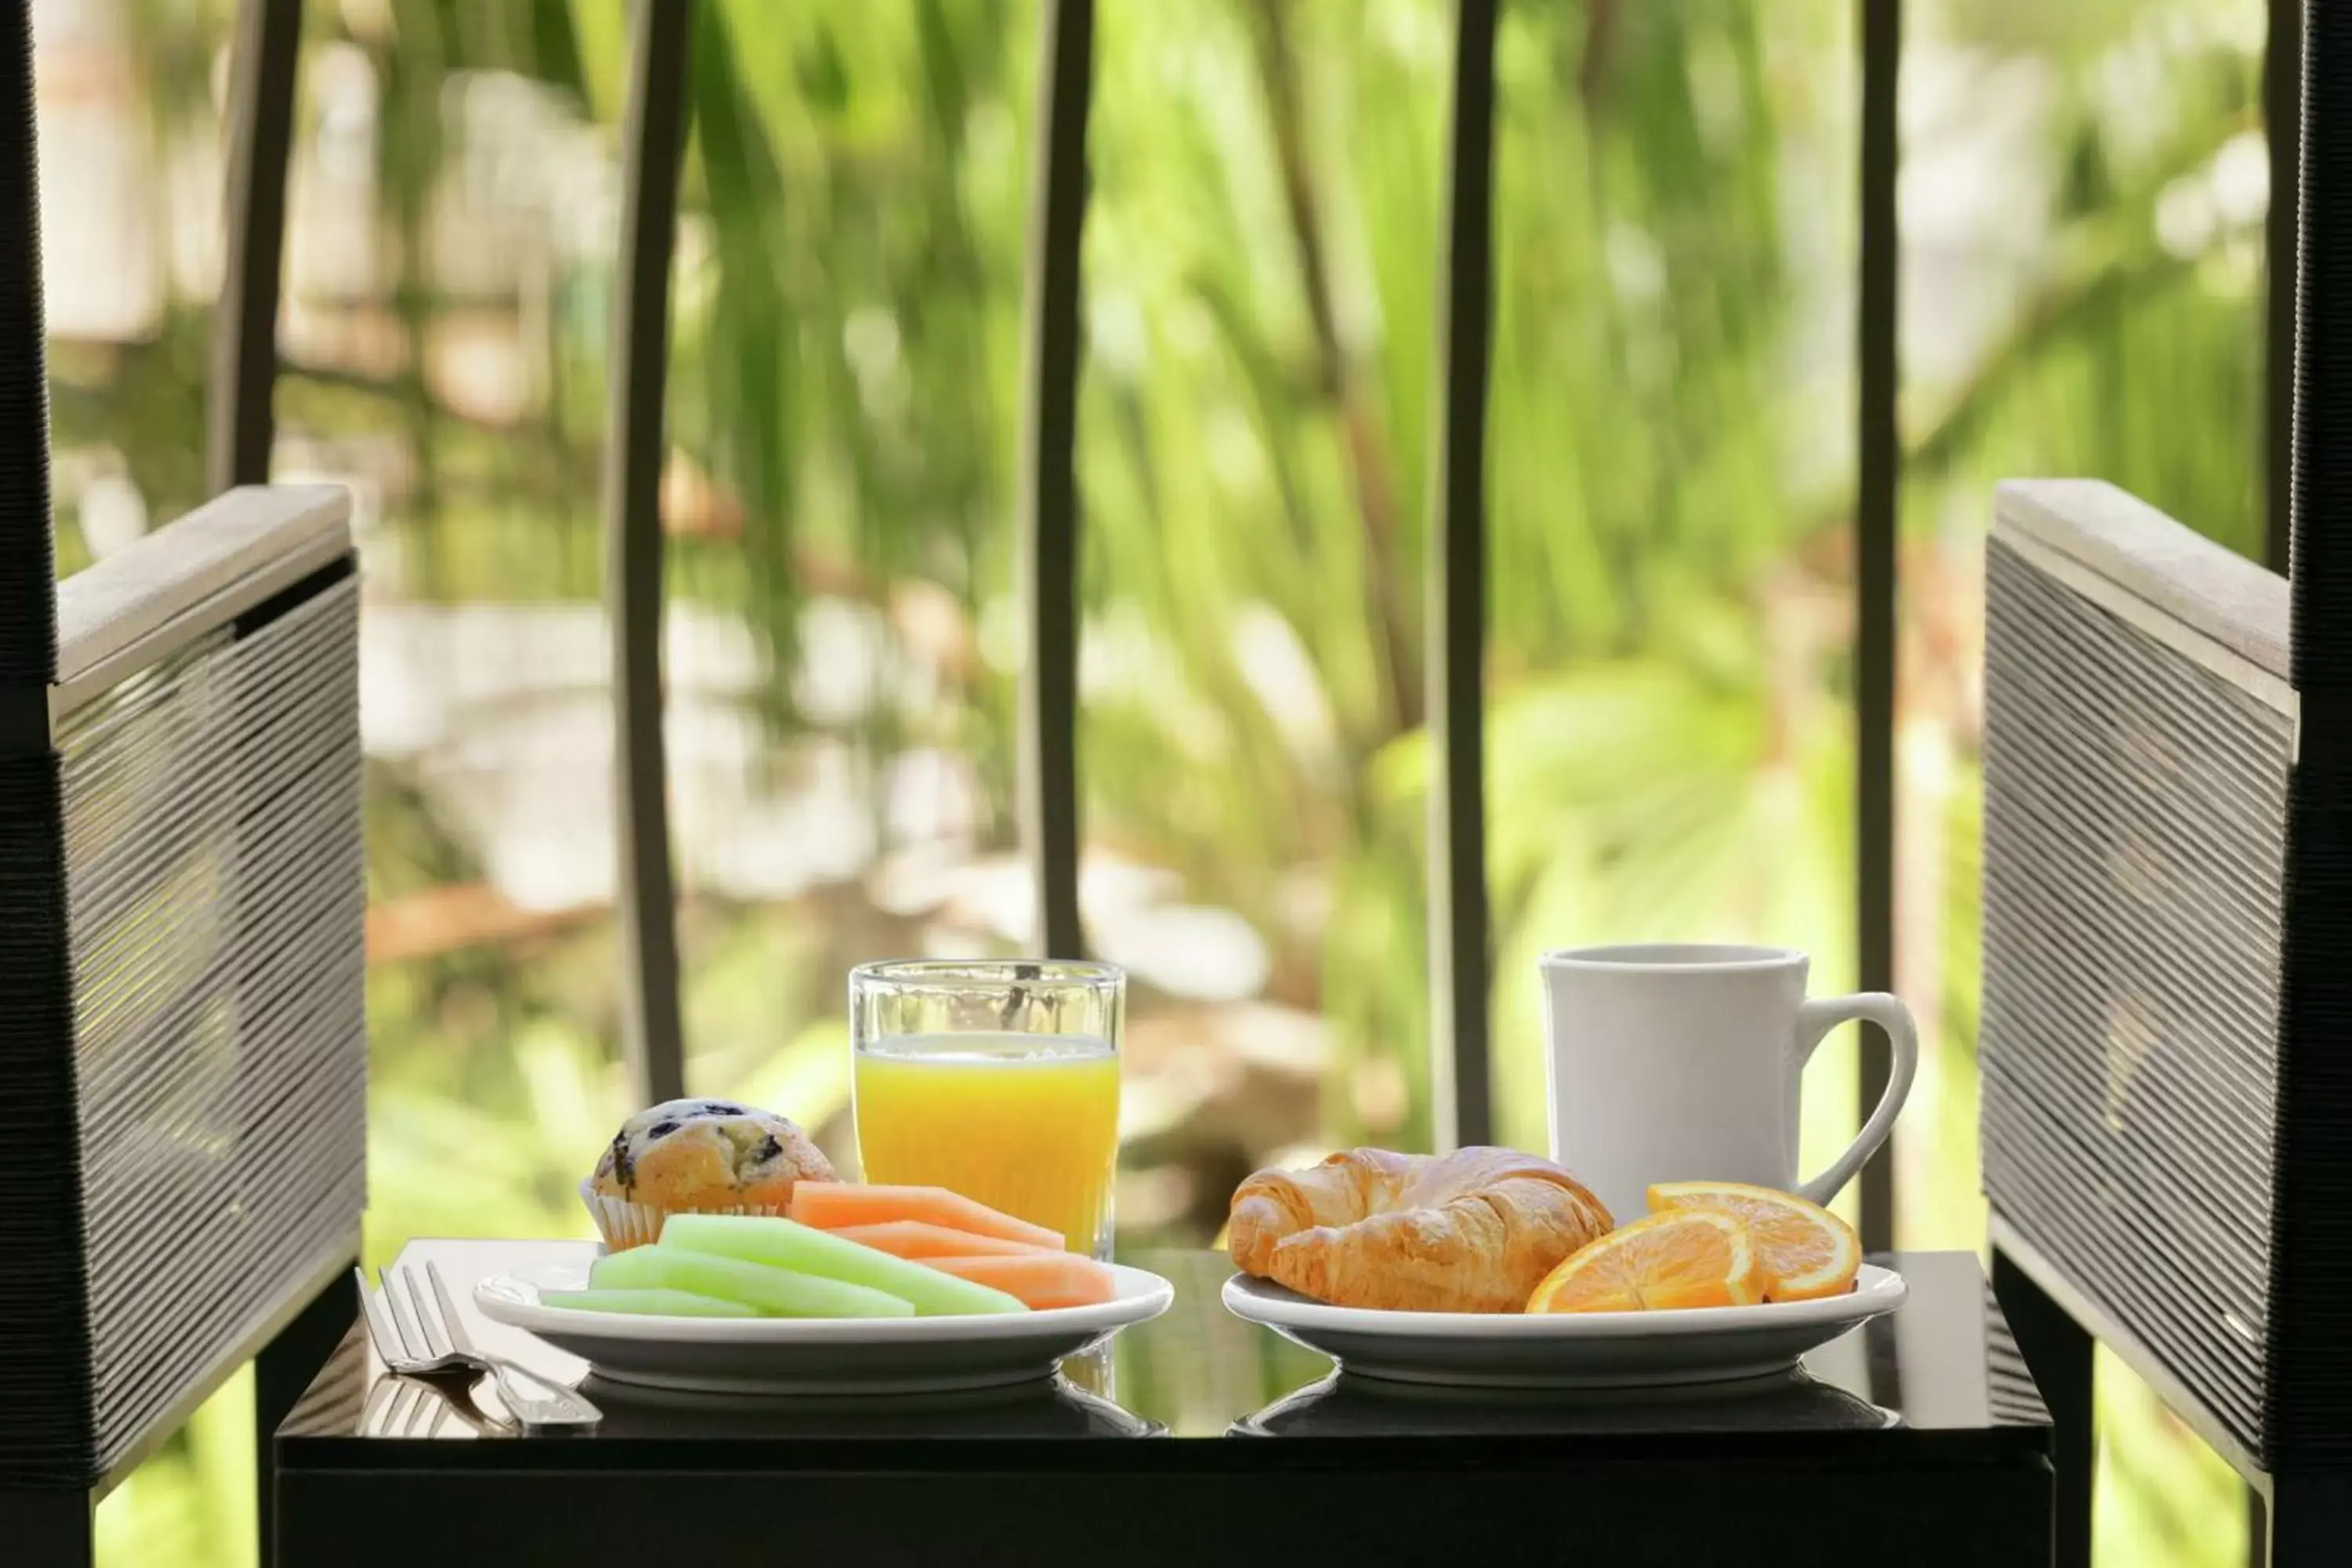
(625, 1223)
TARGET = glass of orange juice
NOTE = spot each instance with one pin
(996, 1080)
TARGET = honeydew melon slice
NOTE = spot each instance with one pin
(782, 1244)
(772, 1292)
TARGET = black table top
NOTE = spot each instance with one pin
(1938, 1382)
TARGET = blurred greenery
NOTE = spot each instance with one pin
(1670, 475)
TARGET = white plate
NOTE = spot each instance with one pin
(1565, 1350)
(815, 1355)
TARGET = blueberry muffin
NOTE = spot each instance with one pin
(697, 1156)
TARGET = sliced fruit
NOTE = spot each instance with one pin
(913, 1238)
(773, 1292)
(1807, 1252)
(646, 1303)
(1040, 1280)
(1685, 1257)
(828, 1255)
(831, 1205)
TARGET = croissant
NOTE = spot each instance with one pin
(1473, 1231)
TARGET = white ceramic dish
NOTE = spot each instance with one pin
(1565, 1350)
(811, 1355)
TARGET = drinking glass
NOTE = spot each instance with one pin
(996, 1080)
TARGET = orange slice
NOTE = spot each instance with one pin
(1688, 1258)
(1807, 1252)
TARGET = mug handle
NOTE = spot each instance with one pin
(1814, 1021)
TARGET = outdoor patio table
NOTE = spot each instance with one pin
(1919, 1439)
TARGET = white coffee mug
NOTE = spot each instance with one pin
(1673, 1062)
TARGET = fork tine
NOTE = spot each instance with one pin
(428, 1322)
(452, 1323)
(385, 1344)
(412, 1346)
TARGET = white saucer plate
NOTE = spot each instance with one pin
(815, 1355)
(1566, 1350)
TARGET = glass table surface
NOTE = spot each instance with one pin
(1939, 1379)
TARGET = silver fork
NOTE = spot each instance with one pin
(412, 1407)
(420, 1338)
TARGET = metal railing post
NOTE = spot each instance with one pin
(1048, 508)
(238, 420)
(1460, 965)
(1877, 503)
(653, 146)
(2283, 127)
